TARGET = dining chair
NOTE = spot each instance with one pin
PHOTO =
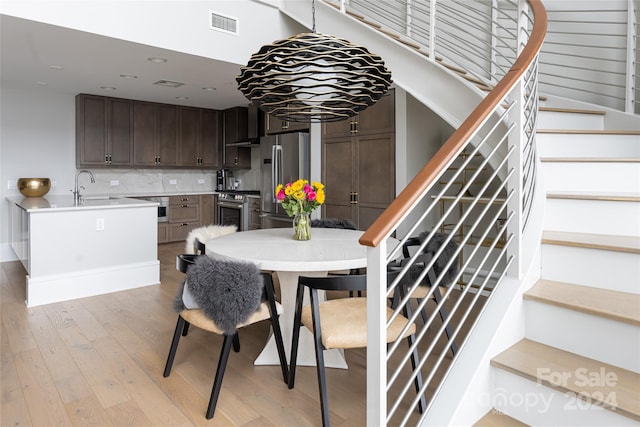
(341, 324)
(231, 296)
(417, 268)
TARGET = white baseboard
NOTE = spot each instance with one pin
(63, 287)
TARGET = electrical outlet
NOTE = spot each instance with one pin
(200, 181)
(12, 184)
(115, 182)
(100, 224)
(173, 181)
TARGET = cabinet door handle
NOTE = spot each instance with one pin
(354, 198)
(106, 159)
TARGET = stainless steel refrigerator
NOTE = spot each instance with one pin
(284, 158)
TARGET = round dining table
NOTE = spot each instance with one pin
(275, 250)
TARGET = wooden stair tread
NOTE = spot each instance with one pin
(589, 131)
(630, 244)
(619, 306)
(590, 159)
(495, 418)
(584, 195)
(572, 110)
(608, 386)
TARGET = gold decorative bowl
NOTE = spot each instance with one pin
(34, 187)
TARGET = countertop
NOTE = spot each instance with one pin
(67, 203)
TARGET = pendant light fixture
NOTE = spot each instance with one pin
(314, 77)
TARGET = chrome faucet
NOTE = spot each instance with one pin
(76, 191)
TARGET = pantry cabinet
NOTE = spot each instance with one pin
(358, 164)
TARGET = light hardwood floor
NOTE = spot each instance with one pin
(99, 361)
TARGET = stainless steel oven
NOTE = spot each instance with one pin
(233, 208)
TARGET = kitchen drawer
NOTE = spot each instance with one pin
(185, 212)
(180, 231)
(181, 200)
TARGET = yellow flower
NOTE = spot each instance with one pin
(278, 188)
(288, 190)
(320, 196)
(299, 195)
(317, 185)
(297, 186)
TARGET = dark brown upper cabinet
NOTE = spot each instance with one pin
(103, 131)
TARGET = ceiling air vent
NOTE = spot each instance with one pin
(223, 23)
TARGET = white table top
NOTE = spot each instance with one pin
(274, 249)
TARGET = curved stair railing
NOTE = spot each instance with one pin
(477, 191)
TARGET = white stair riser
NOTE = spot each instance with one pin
(592, 177)
(604, 217)
(538, 405)
(572, 145)
(618, 271)
(560, 120)
(595, 337)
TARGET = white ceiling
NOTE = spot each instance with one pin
(28, 50)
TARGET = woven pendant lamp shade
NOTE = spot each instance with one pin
(313, 77)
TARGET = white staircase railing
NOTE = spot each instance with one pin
(477, 191)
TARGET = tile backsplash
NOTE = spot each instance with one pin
(152, 181)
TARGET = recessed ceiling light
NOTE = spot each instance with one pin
(56, 67)
(208, 88)
(107, 87)
(182, 97)
(156, 59)
(128, 76)
(42, 83)
(168, 83)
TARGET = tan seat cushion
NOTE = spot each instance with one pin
(197, 318)
(344, 323)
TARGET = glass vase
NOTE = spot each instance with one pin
(302, 226)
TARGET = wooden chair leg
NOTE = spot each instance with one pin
(444, 316)
(217, 383)
(322, 379)
(180, 326)
(296, 337)
(236, 342)
(415, 362)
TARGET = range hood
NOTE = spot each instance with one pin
(248, 124)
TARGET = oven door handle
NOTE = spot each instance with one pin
(230, 205)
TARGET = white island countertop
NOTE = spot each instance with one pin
(67, 203)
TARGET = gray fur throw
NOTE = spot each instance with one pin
(333, 223)
(431, 248)
(227, 292)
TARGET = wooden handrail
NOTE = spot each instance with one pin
(384, 224)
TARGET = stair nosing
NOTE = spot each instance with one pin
(619, 306)
(629, 244)
(603, 196)
(589, 131)
(571, 110)
(527, 358)
(590, 159)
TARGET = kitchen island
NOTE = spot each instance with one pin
(77, 249)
